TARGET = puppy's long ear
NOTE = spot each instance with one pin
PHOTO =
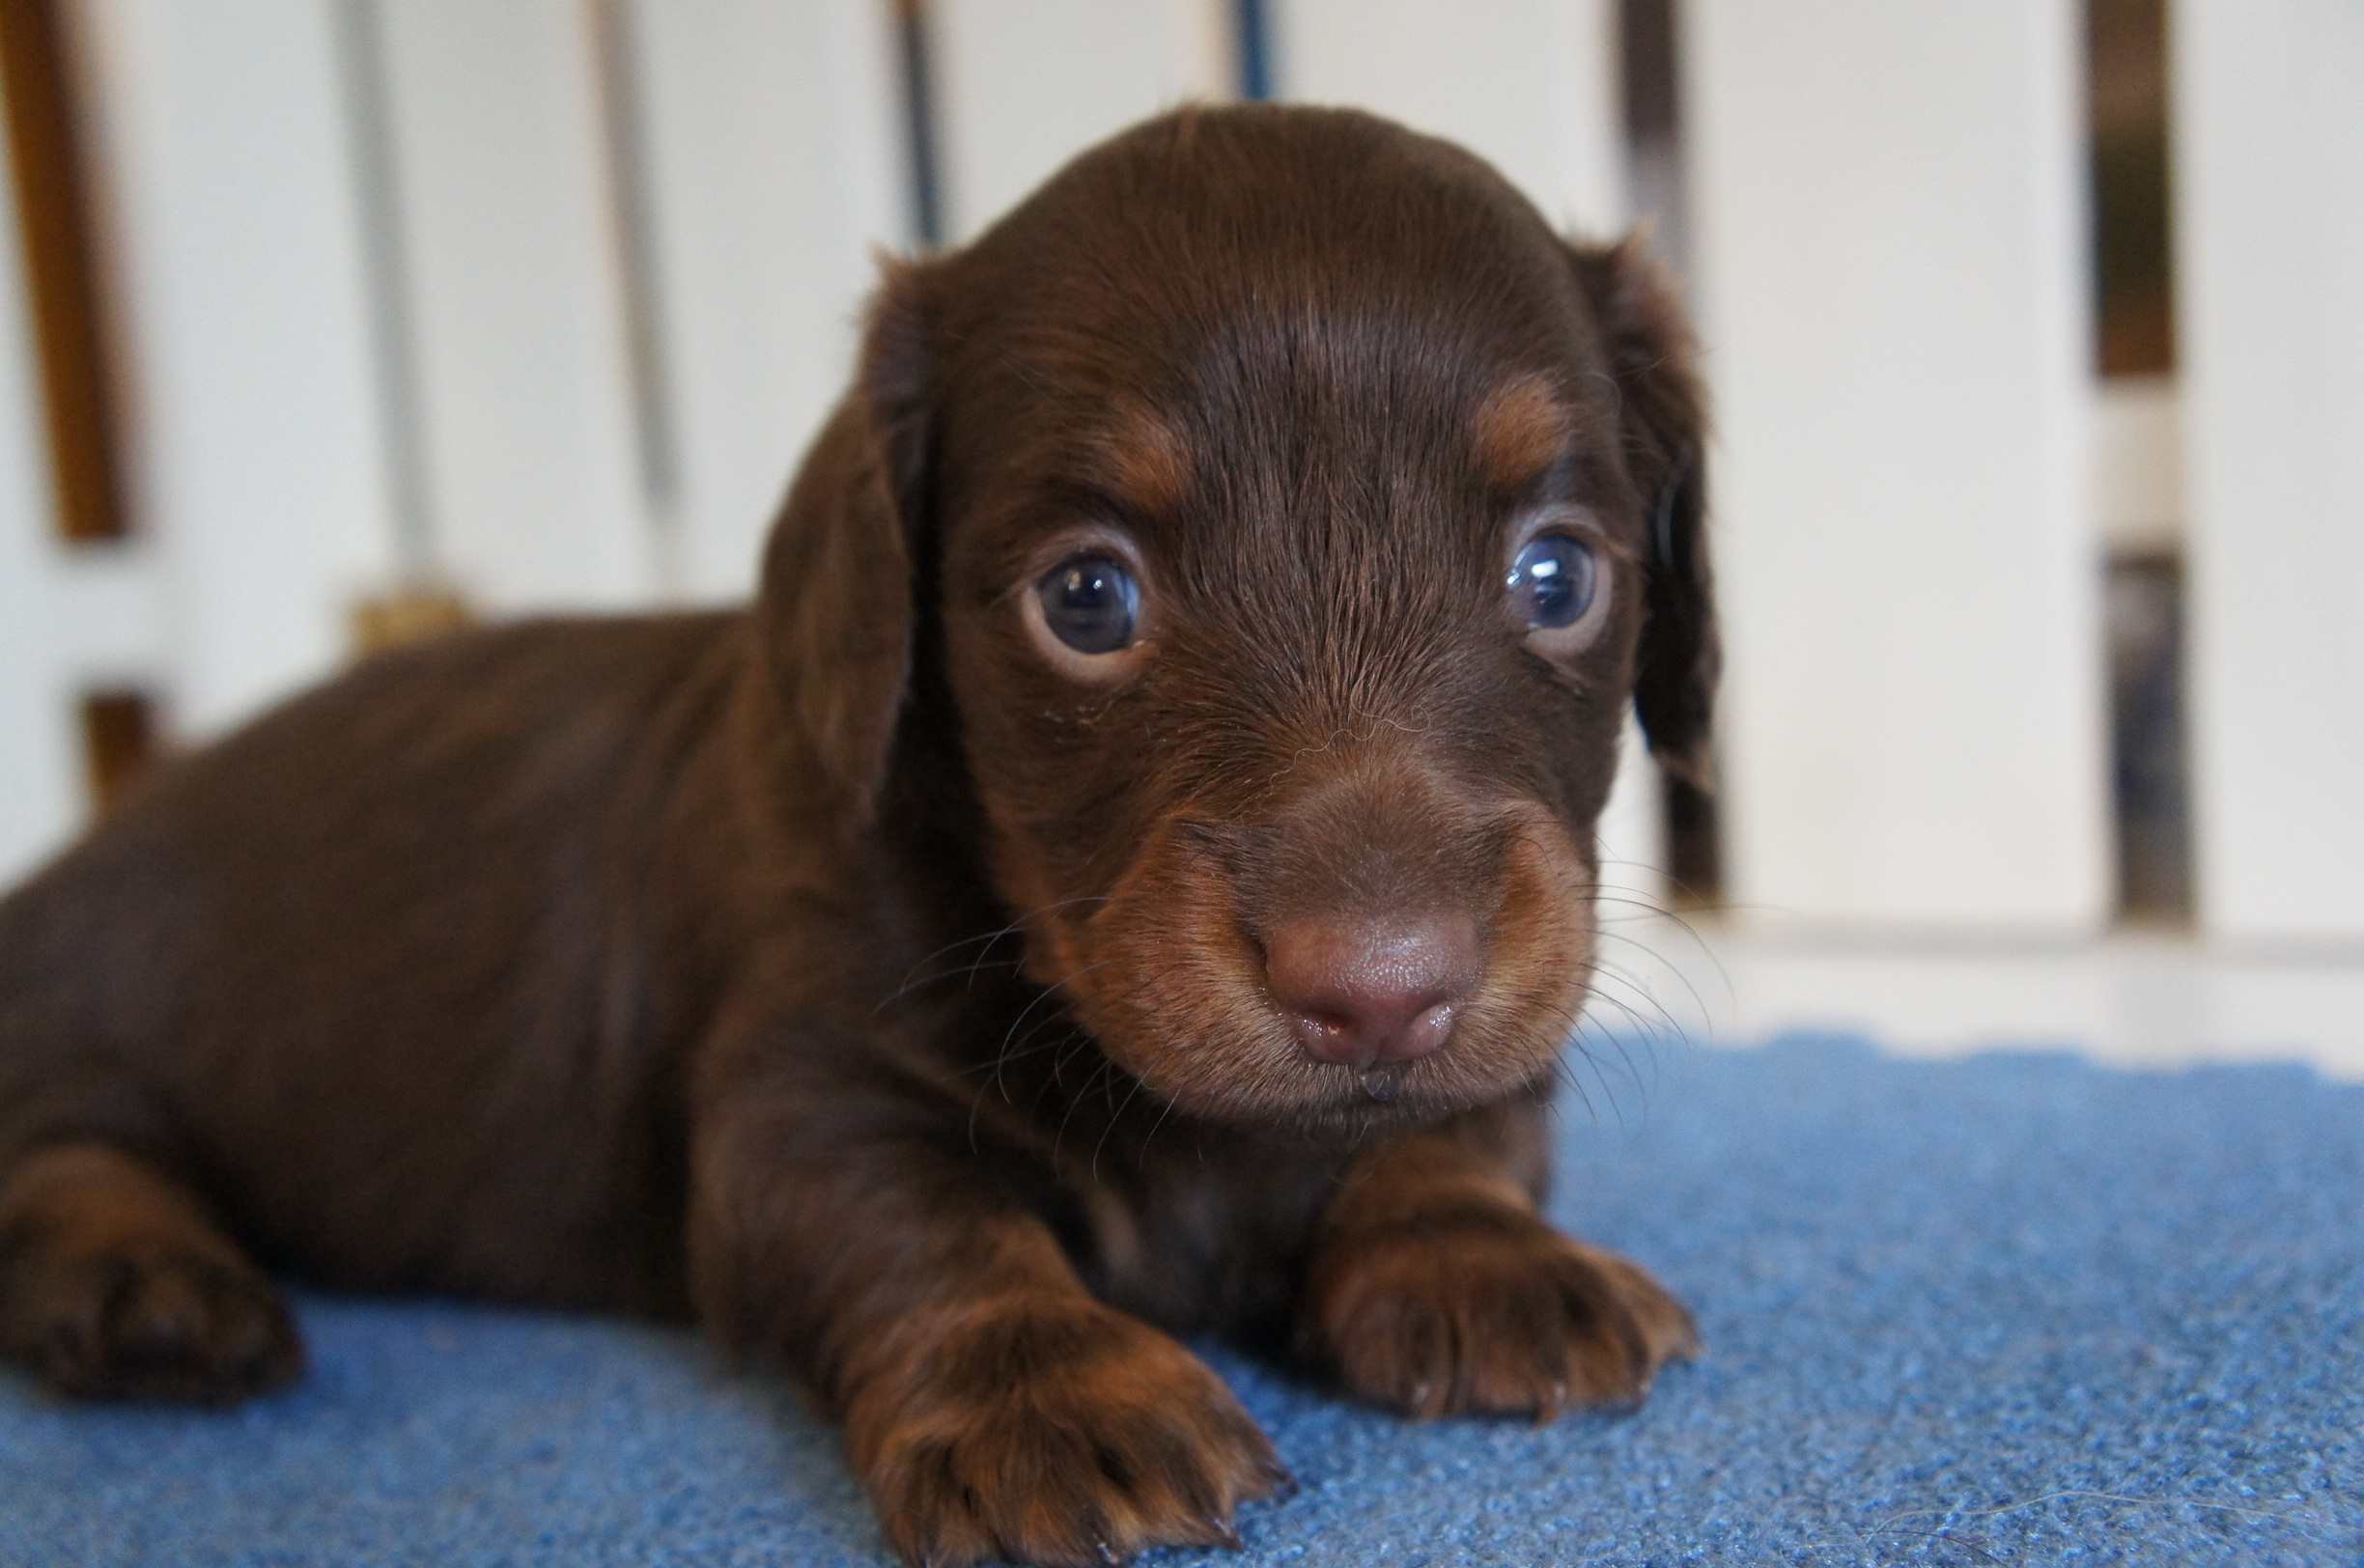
(836, 610)
(1650, 350)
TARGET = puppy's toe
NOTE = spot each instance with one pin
(157, 1323)
(1504, 1317)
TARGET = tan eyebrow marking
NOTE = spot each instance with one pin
(1142, 461)
(1520, 430)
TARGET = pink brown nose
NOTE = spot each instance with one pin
(1358, 994)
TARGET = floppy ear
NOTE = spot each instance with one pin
(838, 608)
(1650, 350)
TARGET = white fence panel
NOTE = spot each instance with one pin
(771, 141)
(1889, 263)
(253, 428)
(2269, 162)
(1529, 85)
(1024, 85)
(516, 304)
(40, 789)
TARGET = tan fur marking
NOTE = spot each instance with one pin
(1519, 431)
(1144, 461)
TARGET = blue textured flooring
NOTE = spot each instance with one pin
(2012, 1309)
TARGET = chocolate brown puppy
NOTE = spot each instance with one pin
(1131, 873)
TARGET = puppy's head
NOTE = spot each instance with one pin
(1296, 517)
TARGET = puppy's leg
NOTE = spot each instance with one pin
(1433, 1286)
(993, 1408)
(116, 1284)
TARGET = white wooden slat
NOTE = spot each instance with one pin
(1024, 85)
(111, 615)
(771, 142)
(41, 799)
(2268, 127)
(1891, 269)
(1529, 85)
(40, 794)
(516, 304)
(254, 442)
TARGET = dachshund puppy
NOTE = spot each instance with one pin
(1131, 873)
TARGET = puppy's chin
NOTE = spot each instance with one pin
(1265, 1082)
(1357, 1107)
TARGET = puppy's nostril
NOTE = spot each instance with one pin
(1358, 993)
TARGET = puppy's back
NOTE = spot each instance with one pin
(367, 969)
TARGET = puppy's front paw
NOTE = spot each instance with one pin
(150, 1320)
(1052, 1431)
(1490, 1312)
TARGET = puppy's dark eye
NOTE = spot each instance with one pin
(1090, 603)
(1551, 583)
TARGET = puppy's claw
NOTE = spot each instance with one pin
(1283, 1481)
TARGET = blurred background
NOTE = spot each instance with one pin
(2034, 331)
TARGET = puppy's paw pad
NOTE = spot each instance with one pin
(1504, 1316)
(1058, 1434)
(158, 1323)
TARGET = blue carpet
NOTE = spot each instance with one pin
(2013, 1309)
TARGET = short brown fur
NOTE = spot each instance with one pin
(850, 975)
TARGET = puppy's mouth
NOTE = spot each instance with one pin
(1337, 1015)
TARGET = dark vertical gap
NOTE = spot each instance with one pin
(1694, 845)
(622, 126)
(919, 123)
(1649, 78)
(2145, 613)
(57, 220)
(119, 740)
(2127, 123)
(2133, 280)
(1647, 49)
(1252, 27)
